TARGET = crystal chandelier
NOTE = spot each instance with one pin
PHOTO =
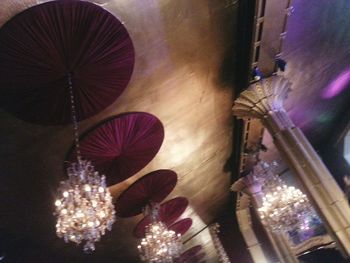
(284, 208)
(160, 244)
(84, 207)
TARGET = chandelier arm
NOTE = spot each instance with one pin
(74, 118)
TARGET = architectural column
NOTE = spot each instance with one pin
(245, 225)
(281, 245)
(264, 100)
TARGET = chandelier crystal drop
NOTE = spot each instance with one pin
(284, 208)
(84, 207)
(160, 244)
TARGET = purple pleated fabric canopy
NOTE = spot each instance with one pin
(190, 255)
(42, 45)
(121, 146)
(169, 212)
(153, 187)
(192, 251)
(196, 258)
(181, 226)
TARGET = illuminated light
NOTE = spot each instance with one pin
(160, 244)
(87, 188)
(85, 195)
(80, 214)
(346, 153)
(102, 214)
(337, 86)
(287, 208)
(76, 221)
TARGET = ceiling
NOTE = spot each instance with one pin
(317, 52)
(180, 47)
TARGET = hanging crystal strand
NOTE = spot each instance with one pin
(153, 211)
(74, 118)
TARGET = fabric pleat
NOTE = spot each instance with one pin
(121, 146)
(42, 45)
(153, 187)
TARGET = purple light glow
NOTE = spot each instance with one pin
(337, 85)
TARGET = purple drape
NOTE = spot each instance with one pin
(40, 46)
(169, 212)
(153, 187)
(123, 145)
(181, 226)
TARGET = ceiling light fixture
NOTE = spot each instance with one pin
(160, 244)
(84, 207)
(284, 208)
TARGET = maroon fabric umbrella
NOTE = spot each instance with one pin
(121, 146)
(182, 226)
(194, 258)
(197, 257)
(153, 187)
(169, 212)
(42, 45)
(189, 254)
(192, 251)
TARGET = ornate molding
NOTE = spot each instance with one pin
(214, 230)
(316, 242)
(262, 97)
(248, 185)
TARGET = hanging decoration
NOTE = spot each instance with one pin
(41, 45)
(160, 244)
(284, 208)
(121, 146)
(154, 187)
(214, 230)
(169, 212)
(84, 207)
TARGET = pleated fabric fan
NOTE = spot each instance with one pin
(121, 146)
(41, 46)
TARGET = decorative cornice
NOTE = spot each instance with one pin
(316, 242)
(248, 185)
(262, 97)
